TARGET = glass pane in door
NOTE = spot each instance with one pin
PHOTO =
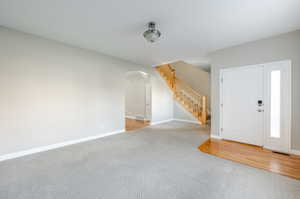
(275, 103)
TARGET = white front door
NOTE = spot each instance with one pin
(277, 105)
(256, 105)
(242, 118)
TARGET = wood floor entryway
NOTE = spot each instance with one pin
(132, 124)
(255, 156)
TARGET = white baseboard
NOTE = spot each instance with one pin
(215, 136)
(292, 151)
(135, 118)
(130, 117)
(174, 119)
(63, 144)
(189, 121)
(160, 122)
(55, 146)
(295, 152)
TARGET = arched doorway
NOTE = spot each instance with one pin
(137, 100)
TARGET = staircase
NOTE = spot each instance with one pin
(191, 100)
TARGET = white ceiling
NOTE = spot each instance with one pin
(190, 28)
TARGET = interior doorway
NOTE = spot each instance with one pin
(255, 105)
(138, 100)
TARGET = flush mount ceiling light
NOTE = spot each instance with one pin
(152, 34)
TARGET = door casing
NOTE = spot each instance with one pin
(288, 106)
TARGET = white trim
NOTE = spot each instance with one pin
(220, 82)
(215, 136)
(55, 146)
(134, 118)
(164, 63)
(290, 108)
(130, 117)
(287, 113)
(288, 117)
(188, 121)
(71, 142)
(160, 122)
(174, 119)
(295, 152)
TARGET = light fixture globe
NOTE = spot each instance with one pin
(152, 34)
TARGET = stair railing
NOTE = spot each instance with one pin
(193, 101)
(169, 74)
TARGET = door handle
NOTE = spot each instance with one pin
(260, 103)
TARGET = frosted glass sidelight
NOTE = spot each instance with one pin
(275, 103)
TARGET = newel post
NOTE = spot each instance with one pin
(204, 108)
(173, 78)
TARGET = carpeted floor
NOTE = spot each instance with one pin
(157, 162)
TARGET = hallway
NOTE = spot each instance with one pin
(132, 124)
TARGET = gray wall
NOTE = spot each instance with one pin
(182, 114)
(282, 47)
(197, 78)
(51, 92)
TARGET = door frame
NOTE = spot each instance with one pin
(289, 106)
(287, 113)
(148, 83)
(148, 98)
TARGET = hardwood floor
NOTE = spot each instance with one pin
(132, 124)
(258, 157)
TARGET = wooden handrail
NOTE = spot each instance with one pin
(188, 87)
(195, 102)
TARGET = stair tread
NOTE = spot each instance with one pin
(185, 98)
